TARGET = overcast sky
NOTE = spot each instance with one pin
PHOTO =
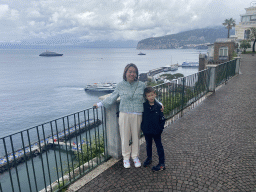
(111, 19)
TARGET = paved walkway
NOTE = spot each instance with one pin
(211, 148)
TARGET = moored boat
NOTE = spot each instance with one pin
(142, 53)
(190, 64)
(174, 67)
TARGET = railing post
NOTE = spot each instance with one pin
(112, 130)
(183, 95)
(212, 75)
(237, 71)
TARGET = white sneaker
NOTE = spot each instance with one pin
(136, 162)
(127, 164)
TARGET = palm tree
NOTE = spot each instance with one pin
(253, 37)
(229, 23)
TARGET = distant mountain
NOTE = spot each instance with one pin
(197, 38)
(86, 44)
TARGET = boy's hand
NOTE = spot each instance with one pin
(95, 106)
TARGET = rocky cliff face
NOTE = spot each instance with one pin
(198, 38)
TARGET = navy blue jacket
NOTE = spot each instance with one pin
(152, 119)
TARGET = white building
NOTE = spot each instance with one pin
(248, 20)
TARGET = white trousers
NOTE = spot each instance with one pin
(129, 128)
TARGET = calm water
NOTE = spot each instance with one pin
(35, 90)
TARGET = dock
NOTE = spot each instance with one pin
(36, 148)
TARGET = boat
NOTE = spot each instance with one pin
(174, 67)
(190, 64)
(50, 54)
(106, 87)
(142, 53)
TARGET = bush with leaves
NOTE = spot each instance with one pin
(245, 44)
(91, 150)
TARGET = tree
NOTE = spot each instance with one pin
(229, 23)
(245, 44)
(253, 37)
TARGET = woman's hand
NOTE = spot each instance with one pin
(162, 109)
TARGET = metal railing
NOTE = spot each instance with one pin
(180, 93)
(53, 155)
(225, 71)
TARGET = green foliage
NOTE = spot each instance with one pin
(152, 84)
(245, 44)
(253, 37)
(234, 54)
(172, 76)
(91, 150)
(175, 97)
(229, 23)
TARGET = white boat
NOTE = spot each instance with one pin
(173, 67)
(106, 87)
(190, 64)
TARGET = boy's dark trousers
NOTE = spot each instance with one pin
(159, 146)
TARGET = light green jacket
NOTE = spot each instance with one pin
(131, 96)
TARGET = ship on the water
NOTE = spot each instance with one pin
(190, 64)
(50, 54)
(106, 87)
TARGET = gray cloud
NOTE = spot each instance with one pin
(80, 20)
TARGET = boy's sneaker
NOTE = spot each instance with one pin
(147, 162)
(136, 162)
(127, 164)
(159, 167)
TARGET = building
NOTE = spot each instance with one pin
(248, 20)
(221, 51)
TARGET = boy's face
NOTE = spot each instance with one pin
(151, 97)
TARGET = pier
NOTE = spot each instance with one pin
(59, 139)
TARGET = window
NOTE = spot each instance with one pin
(245, 18)
(223, 53)
(247, 34)
(253, 17)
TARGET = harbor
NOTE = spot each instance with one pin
(57, 140)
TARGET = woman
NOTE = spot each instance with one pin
(130, 91)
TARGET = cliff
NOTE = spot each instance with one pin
(197, 38)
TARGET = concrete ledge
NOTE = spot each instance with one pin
(91, 175)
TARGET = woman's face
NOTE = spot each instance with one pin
(131, 74)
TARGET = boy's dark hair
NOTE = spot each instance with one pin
(148, 90)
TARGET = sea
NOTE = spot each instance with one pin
(35, 90)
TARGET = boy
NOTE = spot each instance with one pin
(152, 126)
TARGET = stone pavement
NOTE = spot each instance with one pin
(211, 148)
